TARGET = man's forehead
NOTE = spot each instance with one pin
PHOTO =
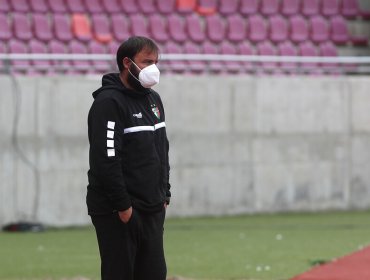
(147, 53)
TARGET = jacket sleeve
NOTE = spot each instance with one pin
(105, 123)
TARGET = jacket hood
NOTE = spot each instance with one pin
(112, 81)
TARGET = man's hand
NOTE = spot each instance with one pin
(125, 216)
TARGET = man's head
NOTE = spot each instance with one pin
(133, 56)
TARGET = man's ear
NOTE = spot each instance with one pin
(126, 63)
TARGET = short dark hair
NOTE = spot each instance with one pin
(133, 46)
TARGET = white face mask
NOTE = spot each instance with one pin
(148, 76)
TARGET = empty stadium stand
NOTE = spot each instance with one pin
(236, 27)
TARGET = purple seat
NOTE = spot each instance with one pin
(21, 27)
(290, 7)
(41, 27)
(211, 48)
(257, 29)
(112, 47)
(195, 29)
(101, 28)
(5, 30)
(308, 49)
(226, 48)
(120, 27)
(19, 66)
(98, 65)
(278, 29)
(57, 47)
(229, 7)
(328, 49)
(139, 25)
(57, 6)
(129, 6)
(319, 29)
(39, 47)
(2, 51)
(350, 9)
(236, 28)
(269, 7)
(79, 66)
(287, 49)
(20, 5)
(147, 6)
(215, 28)
(310, 7)
(158, 28)
(249, 7)
(330, 7)
(111, 6)
(5, 7)
(176, 28)
(176, 66)
(267, 49)
(298, 29)
(62, 28)
(75, 6)
(339, 30)
(93, 6)
(245, 48)
(166, 7)
(39, 6)
(195, 66)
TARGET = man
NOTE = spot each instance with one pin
(129, 188)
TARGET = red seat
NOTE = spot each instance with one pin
(298, 29)
(236, 28)
(21, 27)
(75, 6)
(207, 7)
(129, 6)
(158, 28)
(111, 6)
(319, 29)
(41, 27)
(57, 6)
(5, 31)
(139, 25)
(93, 6)
(81, 27)
(290, 7)
(278, 29)
(269, 7)
(310, 7)
(101, 28)
(249, 7)
(166, 7)
(339, 30)
(62, 28)
(120, 27)
(229, 7)
(330, 7)
(195, 29)
(186, 6)
(257, 29)
(39, 6)
(215, 28)
(20, 5)
(176, 28)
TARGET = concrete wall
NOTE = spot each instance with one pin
(238, 145)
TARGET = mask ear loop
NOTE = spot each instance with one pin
(130, 71)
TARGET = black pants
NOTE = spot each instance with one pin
(132, 251)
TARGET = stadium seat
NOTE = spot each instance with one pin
(290, 7)
(166, 7)
(158, 28)
(267, 49)
(186, 6)
(20, 6)
(319, 29)
(195, 29)
(236, 28)
(226, 48)
(207, 7)
(249, 7)
(101, 28)
(5, 7)
(19, 66)
(81, 27)
(39, 6)
(79, 66)
(269, 7)
(278, 29)
(194, 66)
(213, 66)
(229, 7)
(3, 50)
(215, 28)
(111, 6)
(41, 27)
(57, 47)
(330, 8)
(75, 6)
(298, 29)
(308, 49)
(38, 47)
(139, 26)
(98, 65)
(57, 6)
(350, 9)
(328, 49)
(176, 28)
(5, 31)
(287, 49)
(21, 27)
(147, 6)
(245, 48)
(62, 28)
(113, 46)
(120, 27)
(310, 7)
(339, 31)
(129, 6)
(257, 29)
(93, 6)
(176, 66)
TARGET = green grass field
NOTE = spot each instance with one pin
(242, 247)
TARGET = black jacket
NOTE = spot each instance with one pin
(128, 150)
